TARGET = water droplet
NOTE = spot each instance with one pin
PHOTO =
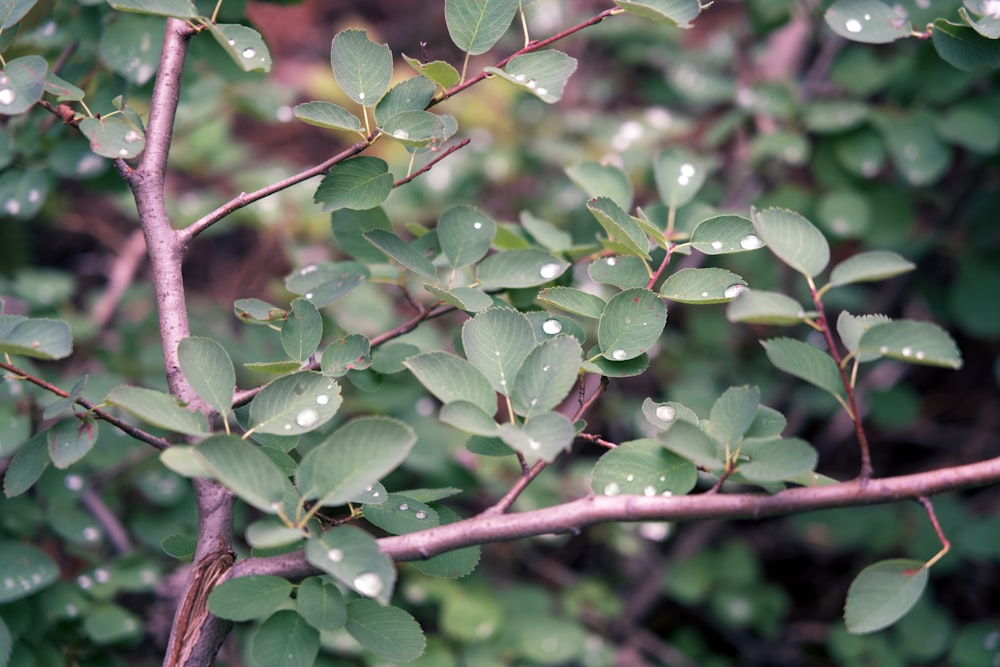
(361, 96)
(534, 444)
(71, 610)
(308, 295)
(83, 581)
(619, 354)
(533, 401)
(34, 195)
(323, 399)
(541, 92)
(288, 427)
(612, 261)
(550, 270)
(520, 78)
(734, 291)
(612, 489)
(335, 555)
(751, 242)
(687, 169)
(73, 482)
(907, 351)
(123, 152)
(232, 42)
(532, 83)
(716, 245)
(421, 514)
(649, 491)
(683, 180)
(12, 206)
(477, 225)
(704, 294)
(990, 8)
(368, 583)
(248, 53)
(853, 25)
(307, 417)
(666, 494)
(101, 575)
(7, 96)
(91, 534)
(133, 136)
(401, 134)
(883, 349)
(666, 413)
(919, 355)
(545, 368)
(630, 477)
(552, 326)
(306, 270)
(403, 507)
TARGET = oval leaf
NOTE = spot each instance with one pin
(546, 376)
(542, 73)
(157, 408)
(544, 437)
(362, 68)
(573, 301)
(465, 234)
(869, 21)
(915, 342)
(763, 307)
(869, 266)
(452, 378)
(359, 183)
(321, 604)
(497, 341)
(302, 331)
(209, 370)
(248, 472)
(776, 460)
(620, 227)
(805, 361)
(882, 593)
(702, 286)
(26, 570)
(476, 25)
(793, 239)
(325, 114)
(396, 248)
(285, 639)
(250, 597)
(673, 12)
(37, 337)
(70, 440)
(520, 268)
(630, 324)
(295, 404)
(643, 468)
(352, 557)
(22, 83)
(725, 234)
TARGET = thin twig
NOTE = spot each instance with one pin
(945, 543)
(427, 167)
(108, 520)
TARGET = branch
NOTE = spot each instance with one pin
(427, 167)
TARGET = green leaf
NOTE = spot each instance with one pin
(869, 21)
(400, 514)
(414, 94)
(36, 338)
(182, 460)
(469, 299)
(542, 73)
(157, 408)
(325, 114)
(28, 464)
(362, 68)
(388, 359)
(643, 468)
(23, 82)
(397, 249)
(321, 604)
(622, 272)
(793, 239)
(805, 361)
(349, 225)
(209, 370)
(850, 328)
(26, 570)
(672, 12)
(882, 593)
(437, 71)
(250, 597)
(273, 367)
(690, 442)
(245, 470)
(547, 234)
(70, 440)
(130, 45)
(679, 177)
(12, 11)
(285, 639)
(114, 136)
(320, 284)
(519, 268)
(763, 307)
(724, 234)
(988, 24)
(733, 412)
(497, 341)
(452, 378)
(665, 415)
(573, 301)
(602, 180)
(833, 116)
(972, 126)
(302, 331)
(630, 324)
(255, 311)
(451, 564)
(914, 342)
(702, 286)
(547, 375)
(615, 369)
(295, 404)
(350, 353)
(543, 437)
(776, 460)
(869, 266)
(352, 556)
(476, 25)
(620, 227)
(108, 623)
(358, 183)
(964, 48)
(353, 457)
(23, 193)
(916, 149)
(415, 129)
(468, 417)
(15, 428)
(465, 234)
(181, 9)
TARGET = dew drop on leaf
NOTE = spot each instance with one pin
(7, 96)
(612, 489)
(550, 270)
(401, 134)
(307, 417)
(323, 399)
(335, 555)
(552, 326)
(421, 514)
(534, 444)
(612, 261)
(853, 25)
(368, 583)
(649, 491)
(403, 507)
(733, 291)
(666, 413)
(619, 354)
(249, 53)
(751, 242)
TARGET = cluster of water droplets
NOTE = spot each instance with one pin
(7, 94)
(687, 172)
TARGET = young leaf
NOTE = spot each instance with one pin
(620, 227)
(181, 9)
(702, 286)
(544, 437)
(869, 21)
(352, 556)
(388, 632)
(497, 341)
(295, 404)
(250, 597)
(362, 68)
(158, 409)
(602, 180)
(643, 468)
(359, 183)
(302, 331)
(673, 12)
(285, 639)
(805, 361)
(915, 342)
(763, 307)
(630, 324)
(573, 301)
(679, 177)
(546, 376)
(70, 440)
(725, 234)
(320, 284)
(465, 234)
(325, 114)
(776, 460)
(353, 457)
(37, 337)
(476, 25)
(882, 593)
(396, 248)
(519, 268)
(244, 469)
(793, 239)
(452, 378)
(350, 353)
(209, 370)
(438, 71)
(542, 73)
(733, 412)
(24, 83)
